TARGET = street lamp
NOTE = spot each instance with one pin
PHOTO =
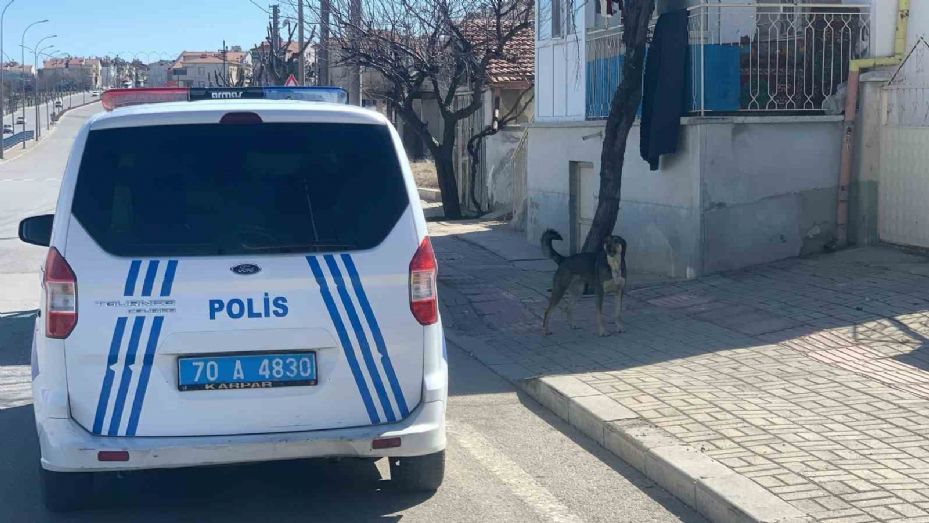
(22, 64)
(2, 99)
(35, 91)
(35, 58)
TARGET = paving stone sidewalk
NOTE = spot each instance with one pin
(808, 376)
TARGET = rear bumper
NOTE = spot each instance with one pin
(68, 447)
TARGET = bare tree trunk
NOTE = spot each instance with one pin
(474, 152)
(637, 15)
(448, 185)
(322, 60)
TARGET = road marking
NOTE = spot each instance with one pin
(15, 386)
(520, 482)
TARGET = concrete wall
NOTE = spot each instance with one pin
(659, 213)
(768, 188)
(863, 193)
(498, 175)
(740, 191)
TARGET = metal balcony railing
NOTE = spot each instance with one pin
(755, 57)
(772, 56)
(606, 54)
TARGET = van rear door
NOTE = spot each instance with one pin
(205, 252)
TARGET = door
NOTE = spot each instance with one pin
(586, 189)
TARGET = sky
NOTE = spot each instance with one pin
(146, 29)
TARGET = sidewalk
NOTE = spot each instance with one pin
(797, 390)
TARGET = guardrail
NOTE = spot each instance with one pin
(18, 138)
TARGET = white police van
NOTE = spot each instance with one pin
(236, 280)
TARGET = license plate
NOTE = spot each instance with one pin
(246, 371)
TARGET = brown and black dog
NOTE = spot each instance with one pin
(603, 271)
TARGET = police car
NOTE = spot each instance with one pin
(238, 276)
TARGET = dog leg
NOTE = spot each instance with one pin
(618, 312)
(559, 287)
(575, 290)
(601, 331)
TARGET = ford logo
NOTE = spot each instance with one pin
(246, 268)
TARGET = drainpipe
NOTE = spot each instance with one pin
(851, 107)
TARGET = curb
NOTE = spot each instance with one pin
(430, 195)
(702, 483)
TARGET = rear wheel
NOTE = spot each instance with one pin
(418, 473)
(66, 491)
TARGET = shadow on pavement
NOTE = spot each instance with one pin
(291, 490)
(16, 337)
(855, 297)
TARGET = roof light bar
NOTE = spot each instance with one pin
(115, 98)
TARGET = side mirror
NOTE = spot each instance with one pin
(37, 230)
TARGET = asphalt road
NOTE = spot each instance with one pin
(73, 100)
(508, 458)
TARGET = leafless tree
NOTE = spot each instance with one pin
(276, 60)
(430, 49)
(636, 16)
(498, 123)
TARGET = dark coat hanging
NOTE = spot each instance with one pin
(664, 87)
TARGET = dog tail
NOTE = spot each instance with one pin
(547, 238)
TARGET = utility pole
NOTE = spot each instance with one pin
(225, 66)
(354, 70)
(276, 27)
(275, 39)
(301, 60)
(322, 59)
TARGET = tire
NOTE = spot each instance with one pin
(66, 491)
(418, 473)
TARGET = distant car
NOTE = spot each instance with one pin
(95, 93)
(19, 120)
(7, 129)
(58, 104)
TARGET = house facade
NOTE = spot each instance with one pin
(159, 73)
(73, 72)
(211, 68)
(755, 175)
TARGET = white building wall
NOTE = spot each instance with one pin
(560, 71)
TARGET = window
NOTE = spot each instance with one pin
(274, 188)
(557, 11)
(570, 16)
(544, 22)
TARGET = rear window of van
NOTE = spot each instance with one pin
(212, 189)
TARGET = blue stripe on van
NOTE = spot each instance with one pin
(132, 277)
(111, 359)
(147, 360)
(376, 333)
(150, 278)
(343, 338)
(126, 376)
(169, 278)
(362, 338)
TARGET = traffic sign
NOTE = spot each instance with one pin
(291, 81)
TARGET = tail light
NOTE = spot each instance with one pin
(424, 301)
(60, 296)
